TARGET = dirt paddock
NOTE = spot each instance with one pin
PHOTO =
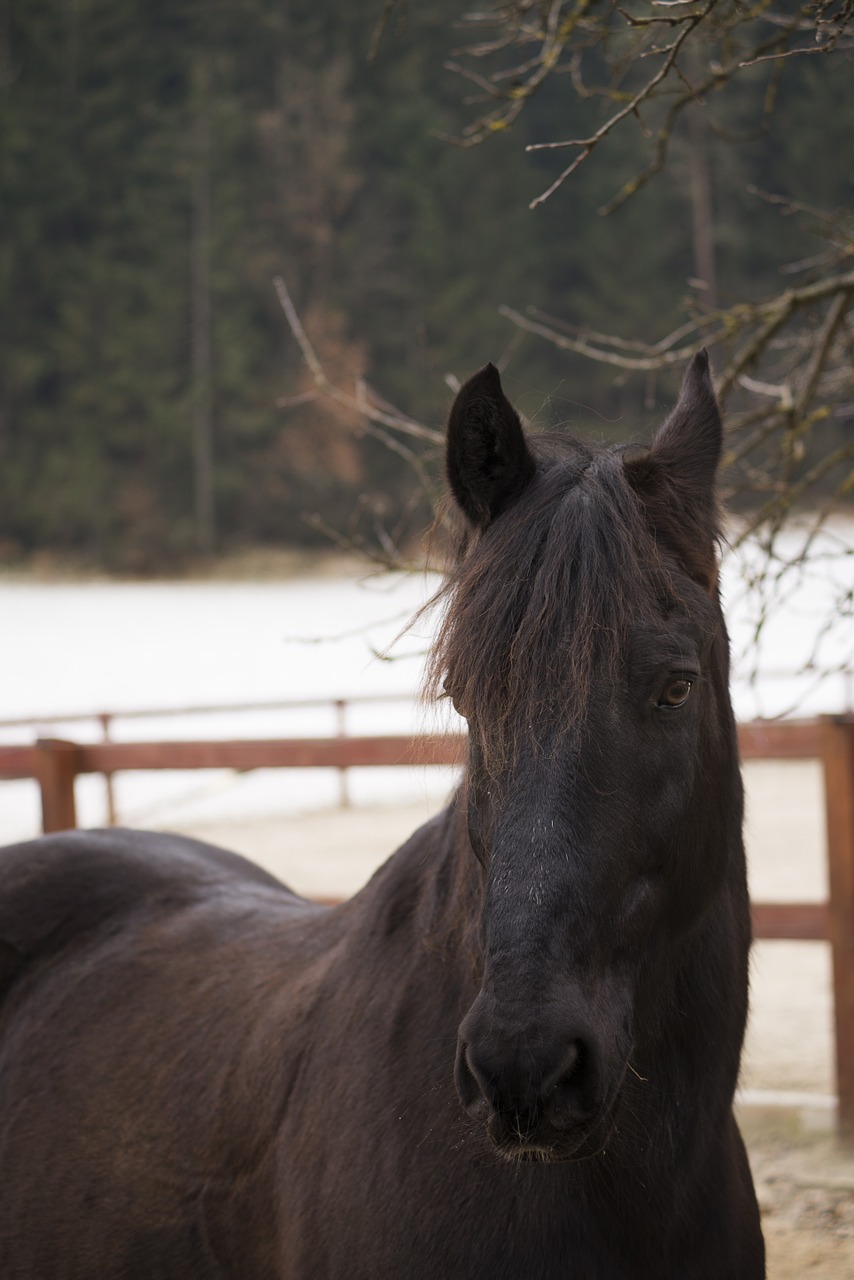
(805, 1181)
(805, 1186)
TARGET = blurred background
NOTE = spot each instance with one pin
(161, 163)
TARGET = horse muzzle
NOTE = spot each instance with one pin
(540, 1096)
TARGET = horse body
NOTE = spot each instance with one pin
(513, 1054)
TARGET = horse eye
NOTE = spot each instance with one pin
(676, 694)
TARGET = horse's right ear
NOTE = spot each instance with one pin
(488, 461)
(676, 475)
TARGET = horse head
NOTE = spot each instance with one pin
(585, 646)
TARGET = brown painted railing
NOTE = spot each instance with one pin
(55, 764)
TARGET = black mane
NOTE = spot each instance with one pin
(537, 608)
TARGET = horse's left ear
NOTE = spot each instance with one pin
(488, 461)
(676, 476)
(689, 443)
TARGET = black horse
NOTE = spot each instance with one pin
(514, 1053)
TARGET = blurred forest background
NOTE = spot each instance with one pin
(161, 163)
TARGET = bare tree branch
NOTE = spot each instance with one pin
(390, 417)
(712, 44)
(386, 424)
(587, 144)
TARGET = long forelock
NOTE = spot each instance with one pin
(542, 603)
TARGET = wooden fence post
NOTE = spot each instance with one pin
(58, 762)
(341, 732)
(105, 719)
(838, 758)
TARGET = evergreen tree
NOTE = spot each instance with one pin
(161, 163)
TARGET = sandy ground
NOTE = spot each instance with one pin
(805, 1187)
(805, 1182)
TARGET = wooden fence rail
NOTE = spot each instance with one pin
(55, 764)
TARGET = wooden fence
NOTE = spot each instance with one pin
(55, 764)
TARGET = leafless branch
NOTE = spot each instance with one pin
(359, 404)
(400, 434)
(712, 44)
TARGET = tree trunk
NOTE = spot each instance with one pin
(200, 308)
(702, 214)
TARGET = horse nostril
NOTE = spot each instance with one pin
(573, 1067)
(470, 1087)
(573, 1098)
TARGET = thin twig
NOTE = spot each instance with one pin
(594, 353)
(589, 143)
(397, 422)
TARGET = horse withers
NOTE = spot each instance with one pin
(512, 1056)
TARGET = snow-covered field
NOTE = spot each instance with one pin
(67, 649)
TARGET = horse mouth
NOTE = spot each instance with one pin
(547, 1153)
(545, 1143)
(548, 1146)
(533, 1155)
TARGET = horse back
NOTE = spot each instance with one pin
(151, 986)
(62, 889)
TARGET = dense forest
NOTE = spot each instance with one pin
(161, 163)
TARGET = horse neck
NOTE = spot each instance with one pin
(453, 896)
(431, 890)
